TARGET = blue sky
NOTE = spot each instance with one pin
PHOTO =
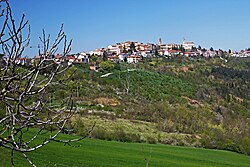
(97, 23)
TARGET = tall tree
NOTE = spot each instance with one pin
(156, 52)
(132, 47)
(182, 49)
(105, 56)
(199, 47)
(194, 49)
(124, 50)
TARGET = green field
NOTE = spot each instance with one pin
(97, 153)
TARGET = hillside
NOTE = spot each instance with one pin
(179, 101)
(202, 103)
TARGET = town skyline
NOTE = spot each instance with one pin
(96, 24)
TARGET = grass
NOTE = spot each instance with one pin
(98, 153)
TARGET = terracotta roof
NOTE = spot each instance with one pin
(173, 51)
(189, 53)
(22, 58)
(58, 56)
(70, 57)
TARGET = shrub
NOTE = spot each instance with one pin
(246, 145)
(233, 147)
(107, 65)
(151, 140)
(134, 138)
(99, 133)
(120, 135)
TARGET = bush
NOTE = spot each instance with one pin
(99, 133)
(107, 65)
(120, 135)
(233, 147)
(134, 138)
(169, 141)
(151, 140)
(246, 145)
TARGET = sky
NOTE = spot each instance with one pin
(221, 24)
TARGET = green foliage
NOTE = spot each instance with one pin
(107, 65)
(246, 145)
(151, 85)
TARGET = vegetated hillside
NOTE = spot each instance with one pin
(91, 152)
(178, 101)
(202, 103)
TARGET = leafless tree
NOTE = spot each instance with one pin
(127, 83)
(24, 93)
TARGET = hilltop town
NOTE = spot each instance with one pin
(134, 52)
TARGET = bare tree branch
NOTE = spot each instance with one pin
(24, 92)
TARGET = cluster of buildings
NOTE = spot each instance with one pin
(134, 52)
(242, 53)
(68, 59)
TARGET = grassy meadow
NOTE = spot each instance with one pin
(98, 153)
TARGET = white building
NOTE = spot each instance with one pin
(83, 57)
(123, 56)
(114, 49)
(188, 45)
(21, 61)
(134, 59)
(98, 52)
(172, 46)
